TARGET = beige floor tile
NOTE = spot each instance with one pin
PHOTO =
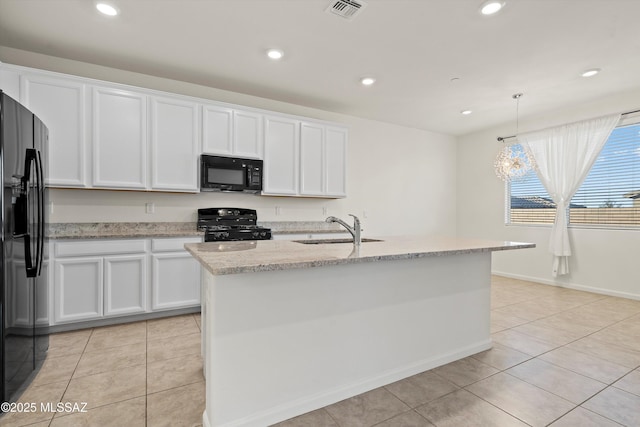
(581, 417)
(462, 408)
(129, 413)
(560, 322)
(108, 387)
(595, 346)
(630, 383)
(178, 407)
(319, 418)
(528, 310)
(554, 379)
(617, 405)
(111, 359)
(45, 394)
(407, 419)
(367, 409)
(171, 327)
(508, 320)
(586, 364)
(620, 336)
(56, 369)
(520, 399)
(465, 371)
(501, 357)
(522, 342)
(421, 388)
(555, 336)
(172, 373)
(117, 336)
(198, 318)
(171, 347)
(67, 343)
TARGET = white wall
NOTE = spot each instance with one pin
(603, 260)
(402, 177)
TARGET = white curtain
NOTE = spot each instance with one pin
(564, 155)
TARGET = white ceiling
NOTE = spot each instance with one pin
(413, 47)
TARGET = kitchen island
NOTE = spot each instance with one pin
(289, 327)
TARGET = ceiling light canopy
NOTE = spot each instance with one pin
(590, 73)
(275, 54)
(367, 81)
(107, 9)
(491, 6)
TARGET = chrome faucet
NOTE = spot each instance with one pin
(355, 230)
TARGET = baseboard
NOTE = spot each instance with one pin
(328, 397)
(575, 286)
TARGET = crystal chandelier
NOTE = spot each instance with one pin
(513, 162)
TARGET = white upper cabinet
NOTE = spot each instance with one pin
(60, 104)
(174, 145)
(336, 162)
(304, 159)
(119, 139)
(217, 130)
(247, 134)
(10, 83)
(281, 161)
(229, 132)
(312, 162)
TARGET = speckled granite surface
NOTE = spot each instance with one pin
(124, 230)
(270, 255)
(114, 230)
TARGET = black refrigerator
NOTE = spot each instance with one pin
(23, 252)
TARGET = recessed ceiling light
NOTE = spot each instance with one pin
(107, 9)
(367, 81)
(466, 112)
(591, 72)
(275, 53)
(490, 7)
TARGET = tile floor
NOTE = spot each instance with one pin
(560, 357)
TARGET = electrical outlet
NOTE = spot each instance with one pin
(325, 211)
(278, 210)
(365, 214)
(50, 208)
(150, 208)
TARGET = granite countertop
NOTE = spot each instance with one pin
(126, 230)
(270, 255)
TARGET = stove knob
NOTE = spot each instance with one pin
(263, 234)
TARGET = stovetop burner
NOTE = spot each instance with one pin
(229, 224)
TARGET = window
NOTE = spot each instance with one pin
(608, 197)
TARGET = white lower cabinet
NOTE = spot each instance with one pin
(99, 279)
(176, 281)
(175, 277)
(78, 289)
(125, 279)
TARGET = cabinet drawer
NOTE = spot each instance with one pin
(99, 247)
(172, 244)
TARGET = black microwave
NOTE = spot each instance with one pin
(230, 174)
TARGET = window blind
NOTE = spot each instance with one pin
(609, 196)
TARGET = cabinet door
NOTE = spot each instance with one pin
(281, 160)
(60, 104)
(312, 164)
(175, 281)
(247, 134)
(10, 83)
(336, 162)
(78, 289)
(217, 137)
(125, 284)
(174, 145)
(119, 139)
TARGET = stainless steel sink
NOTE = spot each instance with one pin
(331, 241)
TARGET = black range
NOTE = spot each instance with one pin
(230, 224)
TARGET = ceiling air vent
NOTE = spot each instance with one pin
(347, 9)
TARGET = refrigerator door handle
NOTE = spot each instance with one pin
(22, 213)
(41, 207)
